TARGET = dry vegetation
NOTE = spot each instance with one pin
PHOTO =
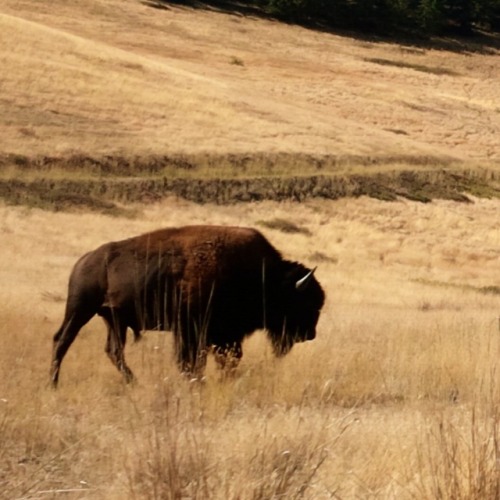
(397, 397)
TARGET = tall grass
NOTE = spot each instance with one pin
(192, 452)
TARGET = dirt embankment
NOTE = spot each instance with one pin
(108, 184)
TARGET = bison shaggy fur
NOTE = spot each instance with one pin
(210, 285)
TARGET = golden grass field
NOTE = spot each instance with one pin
(396, 398)
(398, 395)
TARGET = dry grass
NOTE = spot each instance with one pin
(395, 398)
(116, 76)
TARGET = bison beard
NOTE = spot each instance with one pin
(210, 285)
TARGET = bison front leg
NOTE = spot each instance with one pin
(190, 349)
(191, 358)
(115, 343)
(228, 356)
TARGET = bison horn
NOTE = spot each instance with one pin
(304, 282)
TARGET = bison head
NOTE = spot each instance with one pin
(298, 299)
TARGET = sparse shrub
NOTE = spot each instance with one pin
(284, 226)
(460, 459)
(417, 67)
(285, 471)
(492, 290)
(236, 61)
(321, 257)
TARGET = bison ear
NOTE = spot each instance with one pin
(303, 283)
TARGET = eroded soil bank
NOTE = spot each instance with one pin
(106, 184)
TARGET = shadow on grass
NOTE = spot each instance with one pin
(225, 6)
(477, 42)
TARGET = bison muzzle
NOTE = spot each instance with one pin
(210, 285)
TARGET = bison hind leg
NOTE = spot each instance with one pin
(116, 340)
(63, 339)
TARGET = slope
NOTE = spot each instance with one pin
(108, 77)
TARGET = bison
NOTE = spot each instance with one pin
(210, 285)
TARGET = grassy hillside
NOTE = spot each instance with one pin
(121, 79)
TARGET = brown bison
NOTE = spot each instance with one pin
(210, 285)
